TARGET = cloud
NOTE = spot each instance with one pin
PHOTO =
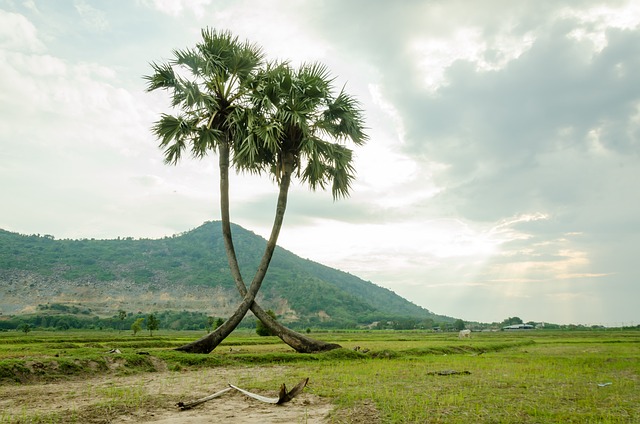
(594, 22)
(94, 19)
(82, 137)
(514, 129)
(436, 55)
(178, 7)
(17, 33)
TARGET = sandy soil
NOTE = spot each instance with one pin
(152, 398)
(234, 407)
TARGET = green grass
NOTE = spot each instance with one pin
(520, 377)
(506, 386)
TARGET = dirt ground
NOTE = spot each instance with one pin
(152, 398)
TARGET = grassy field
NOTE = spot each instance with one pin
(395, 377)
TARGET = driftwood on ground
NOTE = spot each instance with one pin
(287, 396)
(189, 405)
(283, 396)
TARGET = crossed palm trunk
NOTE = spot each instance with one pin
(296, 340)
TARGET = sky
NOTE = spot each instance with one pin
(501, 177)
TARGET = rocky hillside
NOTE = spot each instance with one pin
(184, 272)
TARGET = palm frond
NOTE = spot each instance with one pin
(315, 173)
(341, 171)
(245, 61)
(173, 133)
(171, 127)
(190, 59)
(163, 77)
(342, 178)
(329, 164)
(205, 140)
(343, 119)
(187, 95)
(317, 72)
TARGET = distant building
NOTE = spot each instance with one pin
(519, 327)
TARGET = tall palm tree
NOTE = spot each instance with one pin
(296, 128)
(211, 104)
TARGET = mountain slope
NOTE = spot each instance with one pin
(184, 272)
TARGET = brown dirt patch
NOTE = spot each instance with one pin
(152, 397)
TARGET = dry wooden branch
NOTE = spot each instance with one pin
(283, 397)
(287, 396)
(190, 405)
(255, 395)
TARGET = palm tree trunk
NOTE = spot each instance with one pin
(209, 342)
(297, 341)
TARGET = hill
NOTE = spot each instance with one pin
(185, 272)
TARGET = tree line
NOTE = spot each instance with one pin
(74, 318)
(169, 320)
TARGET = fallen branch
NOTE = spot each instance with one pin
(189, 405)
(283, 397)
(448, 372)
(256, 396)
(287, 396)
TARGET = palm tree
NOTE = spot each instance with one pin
(297, 128)
(302, 127)
(212, 105)
(293, 114)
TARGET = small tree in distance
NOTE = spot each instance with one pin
(511, 321)
(459, 325)
(137, 326)
(152, 324)
(121, 316)
(261, 329)
(213, 323)
(209, 324)
(218, 323)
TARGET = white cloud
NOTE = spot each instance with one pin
(594, 22)
(178, 7)
(17, 33)
(436, 54)
(94, 19)
(389, 109)
(284, 33)
(31, 5)
(416, 246)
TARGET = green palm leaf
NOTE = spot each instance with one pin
(302, 119)
(210, 85)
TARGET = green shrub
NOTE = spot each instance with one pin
(261, 329)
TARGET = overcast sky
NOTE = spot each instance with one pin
(501, 177)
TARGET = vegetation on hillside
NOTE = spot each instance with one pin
(320, 296)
